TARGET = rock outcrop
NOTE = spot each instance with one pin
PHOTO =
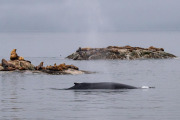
(17, 63)
(122, 53)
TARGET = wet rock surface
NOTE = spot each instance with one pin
(122, 53)
(17, 63)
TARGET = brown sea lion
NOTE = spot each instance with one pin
(156, 49)
(40, 66)
(4, 63)
(14, 55)
(20, 58)
(7, 66)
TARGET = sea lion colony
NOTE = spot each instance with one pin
(19, 63)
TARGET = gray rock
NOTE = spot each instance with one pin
(122, 53)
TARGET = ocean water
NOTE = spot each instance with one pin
(28, 96)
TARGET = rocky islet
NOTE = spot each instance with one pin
(122, 53)
(17, 63)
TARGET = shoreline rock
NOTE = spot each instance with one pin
(122, 53)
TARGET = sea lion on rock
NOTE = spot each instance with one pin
(40, 66)
(5, 64)
(72, 67)
(86, 49)
(61, 67)
(20, 58)
(155, 49)
(14, 55)
(78, 49)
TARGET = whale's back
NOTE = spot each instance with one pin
(101, 85)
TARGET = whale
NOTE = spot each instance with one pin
(101, 85)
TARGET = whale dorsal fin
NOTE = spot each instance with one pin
(76, 83)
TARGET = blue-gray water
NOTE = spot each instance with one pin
(27, 96)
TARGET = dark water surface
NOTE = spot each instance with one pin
(27, 96)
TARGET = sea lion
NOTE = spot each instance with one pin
(20, 58)
(5, 64)
(14, 55)
(40, 66)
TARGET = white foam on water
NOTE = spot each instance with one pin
(145, 87)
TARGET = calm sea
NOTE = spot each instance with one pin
(27, 96)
